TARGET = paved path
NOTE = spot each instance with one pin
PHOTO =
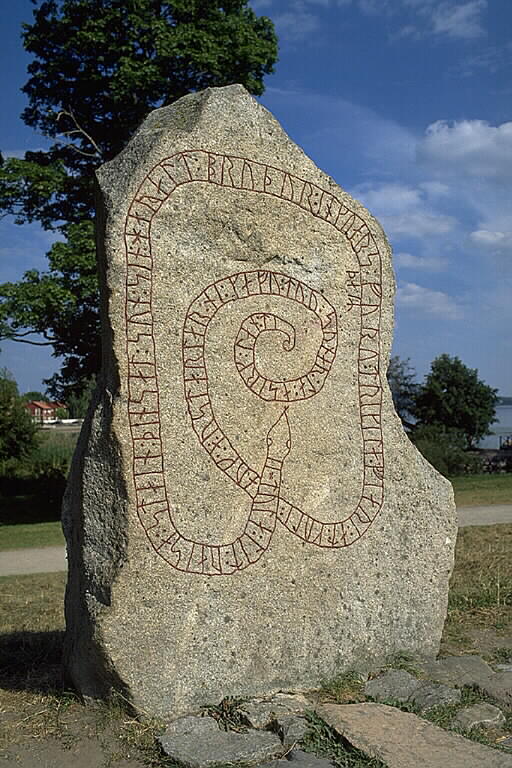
(48, 559)
(34, 560)
(491, 515)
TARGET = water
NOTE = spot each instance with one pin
(501, 428)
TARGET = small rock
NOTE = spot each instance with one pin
(503, 667)
(198, 742)
(393, 685)
(300, 759)
(479, 715)
(498, 686)
(261, 713)
(293, 729)
(430, 695)
(457, 670)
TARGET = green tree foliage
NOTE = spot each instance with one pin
(79, 402)
(27, 397)
(17, 431)
(404, 388)
(445, 449)
(455, 398)
(99, 67)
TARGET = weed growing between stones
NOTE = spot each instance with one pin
(405, 661)
(228, 714)
(502, 655)
(324, 742)
(346, 688)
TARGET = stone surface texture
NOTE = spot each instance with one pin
(431, 695)
(393, 685)
(403, 740)
(198, 742)
(245, 513)
(479, 715)
(499, 687)
(457, 670)
(292, 729)
(260, 714)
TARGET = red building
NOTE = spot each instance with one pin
(43, 412)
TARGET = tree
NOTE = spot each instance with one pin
(78, 403)
(404, 388)
(99, 67)
(27, 397)
(454, 397)
(17, 431)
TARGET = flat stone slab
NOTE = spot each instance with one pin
(483, 714)
(198, 742)
(403, 740)
(458, 670)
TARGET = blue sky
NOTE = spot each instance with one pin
(406, 104)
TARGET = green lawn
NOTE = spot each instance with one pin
(31, 535)
(475, 490)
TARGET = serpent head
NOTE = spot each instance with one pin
(279, 438)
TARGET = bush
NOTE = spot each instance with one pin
(31, 488)
(444, 448)
(17, 432)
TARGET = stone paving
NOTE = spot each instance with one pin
(276, 727)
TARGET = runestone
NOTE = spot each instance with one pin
(245, 513)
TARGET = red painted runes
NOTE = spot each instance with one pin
(267, 507)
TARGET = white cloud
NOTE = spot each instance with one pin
(442, 18)
(390, 198)
(418, 224)
(426, 263)
(296, 24)
(404, 210)
(468, 148)
(491, 59)
(496, 242)
(416, 297)
(461, 21)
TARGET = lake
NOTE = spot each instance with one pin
(501, 428)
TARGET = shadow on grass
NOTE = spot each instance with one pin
(31, 661)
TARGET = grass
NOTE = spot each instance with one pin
(480, 588)
(31, 535)
(475, 490)
(325, 742)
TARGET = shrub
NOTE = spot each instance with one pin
(444, 448)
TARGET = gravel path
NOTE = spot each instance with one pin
(47, 559)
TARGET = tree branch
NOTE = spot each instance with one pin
(80, 130)
(18, 336)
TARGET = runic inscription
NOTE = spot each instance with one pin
(266, 507)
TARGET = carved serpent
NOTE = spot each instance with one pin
(264, 488)
(245, 176)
